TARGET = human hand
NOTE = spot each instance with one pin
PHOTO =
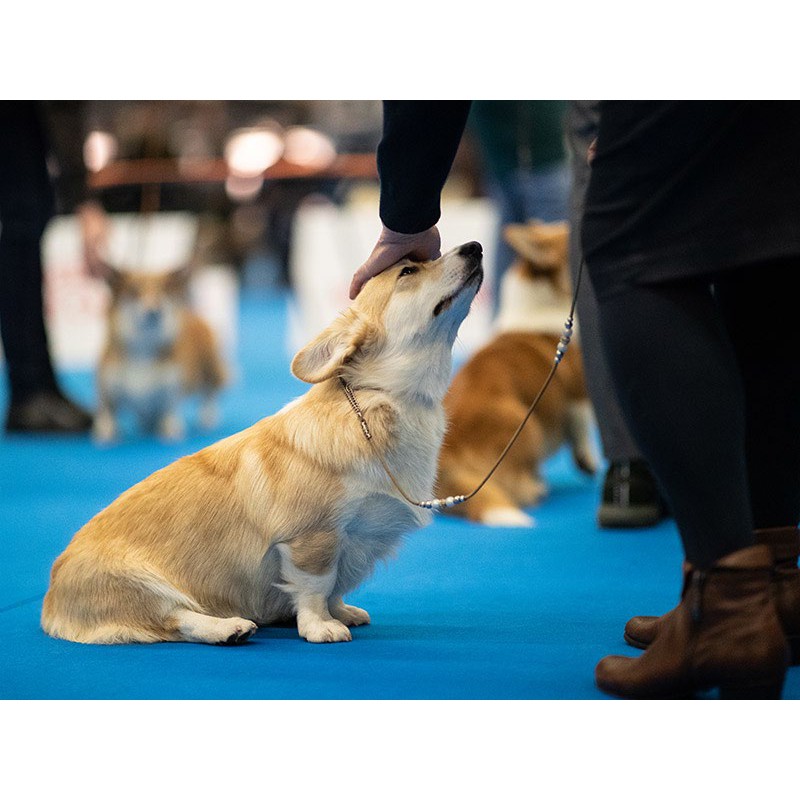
(390, 248)
(592, 151)
(94, 230)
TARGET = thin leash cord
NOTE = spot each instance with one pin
(454, 500)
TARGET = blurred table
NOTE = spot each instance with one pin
(158, 171)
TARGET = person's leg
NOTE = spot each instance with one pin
(618, 444)
(545, 192)
(761, 317)
(679, 385)
(510, 210)
(26, 205)
(630, 497)
(761, 323)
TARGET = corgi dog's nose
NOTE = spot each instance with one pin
(471, 249)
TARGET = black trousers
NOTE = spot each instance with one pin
(708, 374)
(26, 205)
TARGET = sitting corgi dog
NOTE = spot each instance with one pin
(158, 352)
(491, 393)
(283, 519)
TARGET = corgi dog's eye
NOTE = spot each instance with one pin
(408, 271)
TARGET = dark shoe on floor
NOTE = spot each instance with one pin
(47, 412)
(630, 498)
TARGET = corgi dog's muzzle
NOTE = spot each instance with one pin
(472, 255)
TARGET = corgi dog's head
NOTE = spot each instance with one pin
(146, 309)
(535, 293)
(399, 332)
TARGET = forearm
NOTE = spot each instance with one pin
(419, 144)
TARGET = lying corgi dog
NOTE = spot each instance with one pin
(157, 353)
(286, 517)
(492, 392)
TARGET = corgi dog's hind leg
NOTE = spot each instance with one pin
(192, 626)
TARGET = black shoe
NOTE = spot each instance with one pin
(631, 498)
(47, 412)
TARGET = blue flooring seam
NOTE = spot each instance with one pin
(23, 602)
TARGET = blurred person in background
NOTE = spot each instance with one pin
(27, 203)
(630, 497)
(521, 146)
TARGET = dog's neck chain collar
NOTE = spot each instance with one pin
(433, 504)
(454, 500)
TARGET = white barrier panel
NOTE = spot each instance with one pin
(329, 243)
(75, 304)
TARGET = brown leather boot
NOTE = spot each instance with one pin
(724, 634)
(785, 545)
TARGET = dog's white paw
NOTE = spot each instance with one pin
(507, 518)
(234, 630)
(350, 615)
(171, 428)
(319, 631)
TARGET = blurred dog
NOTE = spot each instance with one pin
(491, 393)
(284, 518)
(158, 352)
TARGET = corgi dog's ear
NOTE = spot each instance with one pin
(537, 243)
(322, 358)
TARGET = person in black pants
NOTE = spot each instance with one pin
(691, 236)
(27, 203)
(630, 497)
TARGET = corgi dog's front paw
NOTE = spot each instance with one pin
(319, 631)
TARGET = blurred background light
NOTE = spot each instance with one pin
(99, 149)
(307, 147)
(250, 151)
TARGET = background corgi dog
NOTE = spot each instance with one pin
(286, 517)
(158, 352)
(490, 395)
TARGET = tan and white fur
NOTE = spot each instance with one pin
(283, 519)
(492, 392)
(158, 352)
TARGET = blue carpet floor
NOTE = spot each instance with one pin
(463, 612)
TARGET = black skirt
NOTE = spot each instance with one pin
(689, 188)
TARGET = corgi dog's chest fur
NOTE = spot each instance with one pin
(141, 381)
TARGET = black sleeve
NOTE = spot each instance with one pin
(420, 140)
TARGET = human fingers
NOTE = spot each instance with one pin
(392, 247)
(592, 151)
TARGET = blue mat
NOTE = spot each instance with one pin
(463, 612)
